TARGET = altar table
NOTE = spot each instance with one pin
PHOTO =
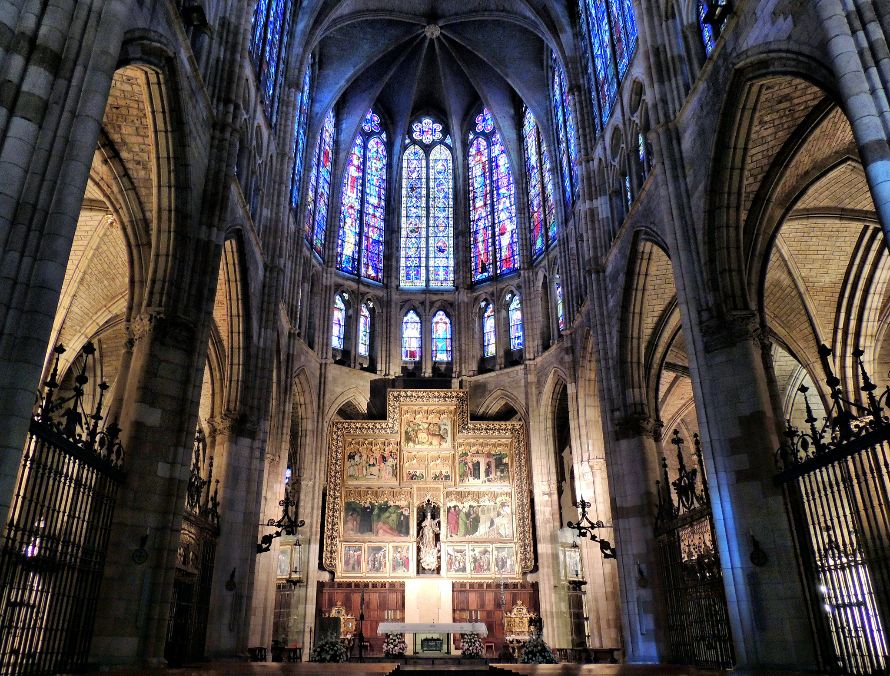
(432, 628)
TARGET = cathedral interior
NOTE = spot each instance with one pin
(568, 318)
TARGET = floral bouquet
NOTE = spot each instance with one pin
(329, 650)
(536, 651)
(471, 645)
(394, 645)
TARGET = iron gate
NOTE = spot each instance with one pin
(837, 482)
(53, 550)
(689, 564)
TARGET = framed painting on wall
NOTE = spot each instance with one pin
(377, 560)
(456, 559)
(353, 558)
(400, 559)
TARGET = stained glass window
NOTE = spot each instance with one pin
(707, 32)
(268, 50)
(411, 338)
(319, 190)
(609, 30)
(364, 331)
(427, 258)
(492, 202)
(566, 132)
(299, 147)
(514, 319)
(488, 331)
(628, 193)
(560, 307)
(539, 176)
(363, 203)
(441, 337)
(338, 325)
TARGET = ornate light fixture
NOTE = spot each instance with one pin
(585, 528)
(286, 524)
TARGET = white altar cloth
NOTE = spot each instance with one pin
(432, 628)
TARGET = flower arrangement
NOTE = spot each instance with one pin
(471, 645)
(394, 645)
(329, 650)
(536, 651)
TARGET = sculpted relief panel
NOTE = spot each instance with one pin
(427, 492)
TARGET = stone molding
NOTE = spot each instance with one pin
(722, 332)
(175, 331)
(638, 425)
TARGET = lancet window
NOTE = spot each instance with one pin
(319, 190)
(411, 336)
(427, 228)
(609, 38)
(566, 131)
(514, 320)
(539, 176)
(268, 50)
(363, 203)
(492, 196)
(300, 121)
(441, 337)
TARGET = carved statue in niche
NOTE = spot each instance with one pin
(428, 540)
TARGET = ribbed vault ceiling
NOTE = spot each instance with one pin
(437, 57)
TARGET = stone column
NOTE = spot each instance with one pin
(857, 44)
(632, 470)
(158, 415)
(767, 607)
(47, 140)
(238, 457)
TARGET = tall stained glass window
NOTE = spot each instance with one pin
(338, 323)
(514, 319)
(539, 176)
(566, 131)
(319, 190)
(363, 203)
(560, 306)
(411, 336)
(713, 27)
(427, 208)
(299, 148)
(268, 50)
(488, 331)
(492, 198)
(441, 337)
(364, 331)
(609, 38)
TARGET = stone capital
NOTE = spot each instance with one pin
(169, 330)
(637, 425)
(722, 332)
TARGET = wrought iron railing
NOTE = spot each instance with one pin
(836, 474)
(53, 549)
(689, 565)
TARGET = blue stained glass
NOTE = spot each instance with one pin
(484, 121)
(427, 131)
(514, 318)
(414, 181)
(259, 30)
(427, 209)
(480, 213)
(488, 331)
(441, 238)
(504, 208)
(560, 307)
(441, 337)
(350, 210)
(364, 331)
(533, 178)
(272, 55)
(363, 204)
(320, 187)
(411, 338)
(338, 324)
(375, 208)
(707, 32)
(299, 147)
(600, 38)
(566, 133)
(549, 203)
(371, 123)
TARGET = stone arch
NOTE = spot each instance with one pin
(351, 404)
(231, 317)
(499, 403)
(761, 80)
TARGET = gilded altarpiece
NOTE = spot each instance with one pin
(428, 460)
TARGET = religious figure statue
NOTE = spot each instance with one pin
(429, 551)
